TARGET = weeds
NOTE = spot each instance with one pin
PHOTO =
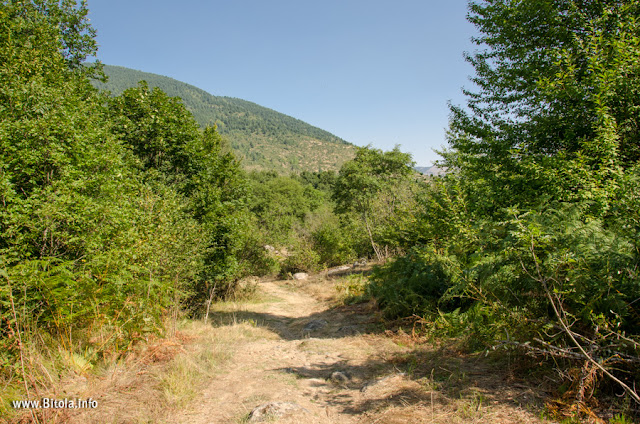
(180, 382)
(352, 289)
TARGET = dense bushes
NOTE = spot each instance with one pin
(534, 231)
(321, 219)
(114, 211)
(294, 216)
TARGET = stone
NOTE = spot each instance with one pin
(339, 270)
(300, 276)
(339, 377)
(349, 330)
(270, 410)
(360, 262)
(315, 324)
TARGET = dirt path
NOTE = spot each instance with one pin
(334, 365)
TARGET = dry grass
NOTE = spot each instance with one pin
(152, 381)
(171, 377)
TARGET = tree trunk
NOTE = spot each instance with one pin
(373, 243)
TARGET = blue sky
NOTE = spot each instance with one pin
(369, 71)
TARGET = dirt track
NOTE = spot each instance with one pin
(337, 366)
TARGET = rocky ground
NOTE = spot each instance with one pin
(312, 360)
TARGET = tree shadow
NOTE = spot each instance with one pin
(337, 322)
(426, 378)
(423, 376)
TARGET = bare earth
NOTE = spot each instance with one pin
(334, 364)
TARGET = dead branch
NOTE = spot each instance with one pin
(560, 314)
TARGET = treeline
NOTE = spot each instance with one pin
(226, 112)
(531, 241)
(116, 211)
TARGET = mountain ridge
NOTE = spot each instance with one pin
(263, 138)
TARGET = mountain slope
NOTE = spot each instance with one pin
(262, 137)
(433, 170)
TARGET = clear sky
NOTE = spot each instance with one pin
(376, 72)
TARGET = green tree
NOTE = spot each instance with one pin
(71, 206)
(555, 109)
(157, 128)
(535, 224)
(218, 195)
(170, 149)
(58, 164)
(90, 249)
(533, 232)
(373, 175)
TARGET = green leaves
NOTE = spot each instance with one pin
(373, 185)
(157, 128)
(113, 210)
(534, 231)
(555, 110)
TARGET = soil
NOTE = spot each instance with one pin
(331, 363)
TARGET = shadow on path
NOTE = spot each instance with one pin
(424, 377)
(338, 322)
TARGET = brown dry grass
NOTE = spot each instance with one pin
(153, 381)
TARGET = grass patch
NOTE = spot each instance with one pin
(352, 289)
(180, 381)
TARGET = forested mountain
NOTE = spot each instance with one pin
(263, 138)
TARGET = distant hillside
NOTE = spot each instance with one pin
(262, 137)
(433, 170)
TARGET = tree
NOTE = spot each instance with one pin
(218, 192)
(541, 155)
(555, 110)
(57, 161)
(87, 246)
(170, 150)
(365, 179)
(71, 204)
(157, 128)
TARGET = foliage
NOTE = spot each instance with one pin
(69, 199)
(284, 210)
(352, 289)
(295, 217)
(280, 203)
(157, 129)
(114, 210)
(303, 258)
(554, 114)
(169, 148)
(218, 201)
(533, 234)
(371, 185)
(334, 241)
(411, 284)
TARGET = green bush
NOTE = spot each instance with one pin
(417, 283)
(333, 244)
(302, 259)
